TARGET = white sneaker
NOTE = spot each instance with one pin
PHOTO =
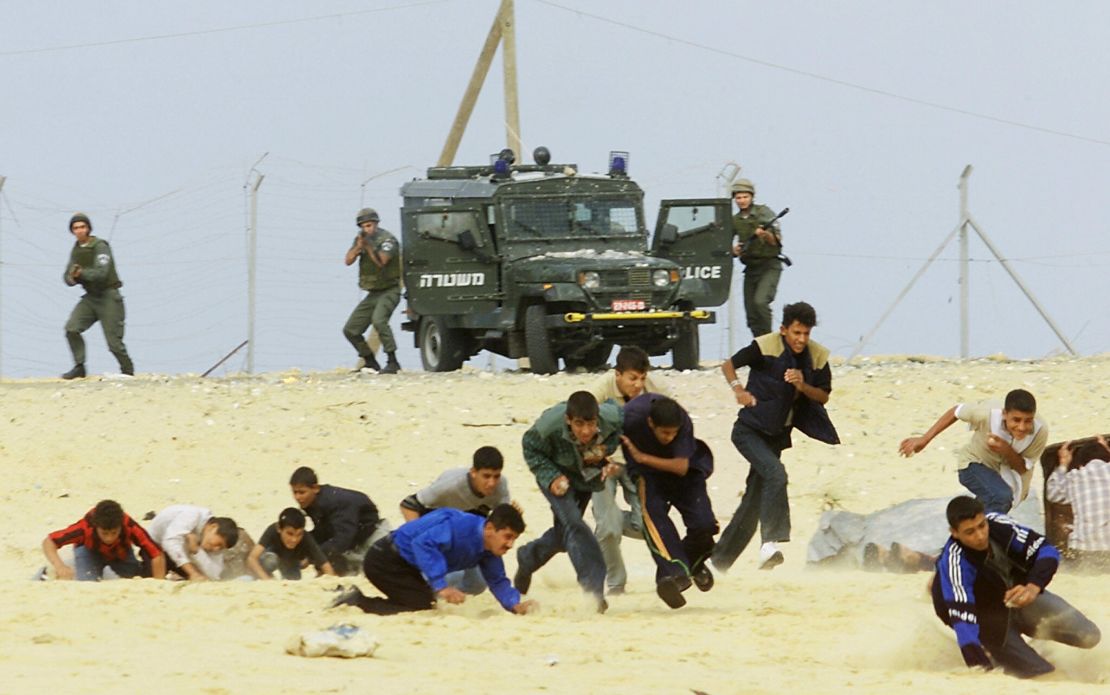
(770, 556)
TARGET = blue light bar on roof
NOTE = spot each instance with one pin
(618, 163)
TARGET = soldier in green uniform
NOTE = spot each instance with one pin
(758, 249)
(92, 266)
(379, 273)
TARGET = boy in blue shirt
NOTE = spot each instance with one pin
(410, 565)
(989, 588)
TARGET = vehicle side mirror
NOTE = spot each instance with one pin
(668, 234)
(466, 240)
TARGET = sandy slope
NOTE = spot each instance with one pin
(231, 444)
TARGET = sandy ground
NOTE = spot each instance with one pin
(231, 444)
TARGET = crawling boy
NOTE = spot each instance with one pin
(105, 537)
(285, 547)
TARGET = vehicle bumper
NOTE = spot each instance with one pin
(575, 318)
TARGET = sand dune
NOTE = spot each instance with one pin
(231, 444)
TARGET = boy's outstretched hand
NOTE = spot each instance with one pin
(912, 445)
(525, 607)
(451, 595)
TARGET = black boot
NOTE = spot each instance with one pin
(78, 372)
(392, 366)
(126, 366)
(370, 362)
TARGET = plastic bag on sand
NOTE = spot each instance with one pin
(343, 640)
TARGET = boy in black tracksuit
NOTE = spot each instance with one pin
(989, 588)
(670, 467)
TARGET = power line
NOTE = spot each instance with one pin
(218, 30)
(825, 78)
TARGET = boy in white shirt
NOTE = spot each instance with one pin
(193, 540)
(996, 464)
(626, 381)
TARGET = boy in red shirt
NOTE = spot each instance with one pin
(105, 538)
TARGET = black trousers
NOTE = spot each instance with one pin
(676, 555)
(403, 585)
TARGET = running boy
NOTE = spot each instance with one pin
(670, 467)
(996, 464)
(286, 547)
(410, 565)
(626, 381)
(568, 450)
(789, 381)
(345, 522)
(194, 540)
(105, 537)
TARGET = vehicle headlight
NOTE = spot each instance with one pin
(661, 278)
(590, 280)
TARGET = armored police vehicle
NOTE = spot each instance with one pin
(539, 261)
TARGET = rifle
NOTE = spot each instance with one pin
(767, 225)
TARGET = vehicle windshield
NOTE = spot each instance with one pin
(572, 218)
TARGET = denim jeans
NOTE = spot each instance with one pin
(89, 566)
(1049, 617)
(986, 484)
(469, 581)
(613, 523)
(764, 504)
(572, 535)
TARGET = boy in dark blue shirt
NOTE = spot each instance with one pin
(410, 565)
(990, 589)
(789, 381)
(669, 467)
(344, 522)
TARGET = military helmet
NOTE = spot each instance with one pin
(79, 217)
(367, 215)
(743, 186)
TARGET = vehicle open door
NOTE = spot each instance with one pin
(697, 235)
(450, 262)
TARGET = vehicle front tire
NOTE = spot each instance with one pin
(538, 342)
(442, 349)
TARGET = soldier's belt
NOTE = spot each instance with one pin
(696, 315)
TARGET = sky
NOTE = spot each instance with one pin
(858, 115)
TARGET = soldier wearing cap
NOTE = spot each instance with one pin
(379, 273)
(758, 249)
(92, 266)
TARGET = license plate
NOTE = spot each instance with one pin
(629, 305)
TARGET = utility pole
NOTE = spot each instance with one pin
(965, 274)
(725, 177)
(966, 220)
(3, 179)
(508, 67)
(502, 30)
(252, 259)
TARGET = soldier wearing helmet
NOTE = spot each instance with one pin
(92, 266)
(758, 249)
(379, 273)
